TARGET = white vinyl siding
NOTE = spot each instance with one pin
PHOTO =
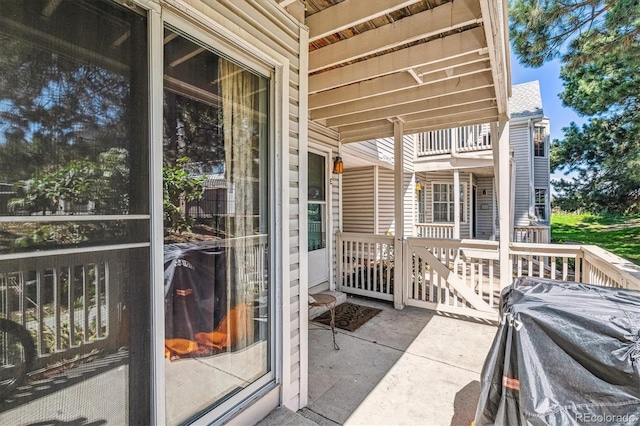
(385, 201)
(358, 200)
(520, 140)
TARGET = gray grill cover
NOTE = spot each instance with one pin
(564, 354)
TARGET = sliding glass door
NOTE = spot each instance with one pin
(216, 219)
(74, 210)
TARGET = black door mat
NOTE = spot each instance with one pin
(349, 316)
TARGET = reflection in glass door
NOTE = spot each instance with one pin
(216, 220)
(317, 220)
(74, 211)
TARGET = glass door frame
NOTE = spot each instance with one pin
(273, 68)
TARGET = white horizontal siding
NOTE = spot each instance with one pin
(381, 151)
(358, 200)
(520, 141)
(386, 201)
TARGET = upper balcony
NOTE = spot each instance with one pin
(467, 146)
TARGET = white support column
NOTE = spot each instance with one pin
(456, 204)
(398, 163)
(503, 188)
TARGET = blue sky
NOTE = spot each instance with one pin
(550, 86)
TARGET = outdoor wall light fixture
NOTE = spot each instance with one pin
(418, 186)
(338, 166)
(484, 192)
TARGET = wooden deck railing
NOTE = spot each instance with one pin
(365, 264)
(462, 139)
(453, 276)
(580, 263)
(434, 230)
(531, 234)
(462, 276)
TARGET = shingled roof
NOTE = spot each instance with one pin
(526, 101)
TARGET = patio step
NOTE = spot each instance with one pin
(319, 310)
(284, 417)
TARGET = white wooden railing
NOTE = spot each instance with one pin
(453, 276)
(579, 263)
(531, 234)
(473, 138)
(462, 276)
(434, 230)
(461, 139)
(365, 264)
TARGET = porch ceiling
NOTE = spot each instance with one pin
(431, 63)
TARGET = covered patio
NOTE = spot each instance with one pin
(408, 366)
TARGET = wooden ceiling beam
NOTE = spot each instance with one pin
(348, 14)
(498, 46)
(447, 17)
(464, 60)
(442, 49)
(448, 122)
(472, 106)
(431, 107)
(367, 133)
(396, 99)
(392, 83)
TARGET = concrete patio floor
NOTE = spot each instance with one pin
(402, 367)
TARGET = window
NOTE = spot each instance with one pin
(443, 202)
(539, 149)
(216, 254)
(541, 203)
(317, 202)
(74, 207)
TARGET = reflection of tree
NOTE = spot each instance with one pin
(193, 129)
(55, 111)
(104, 183)
(179, 187)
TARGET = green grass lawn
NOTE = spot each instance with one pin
(617, 234)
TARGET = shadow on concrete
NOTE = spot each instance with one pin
(340, 380)
(465, 403)
(401, 367)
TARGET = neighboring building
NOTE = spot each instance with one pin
(529, 141)
(463, 155)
